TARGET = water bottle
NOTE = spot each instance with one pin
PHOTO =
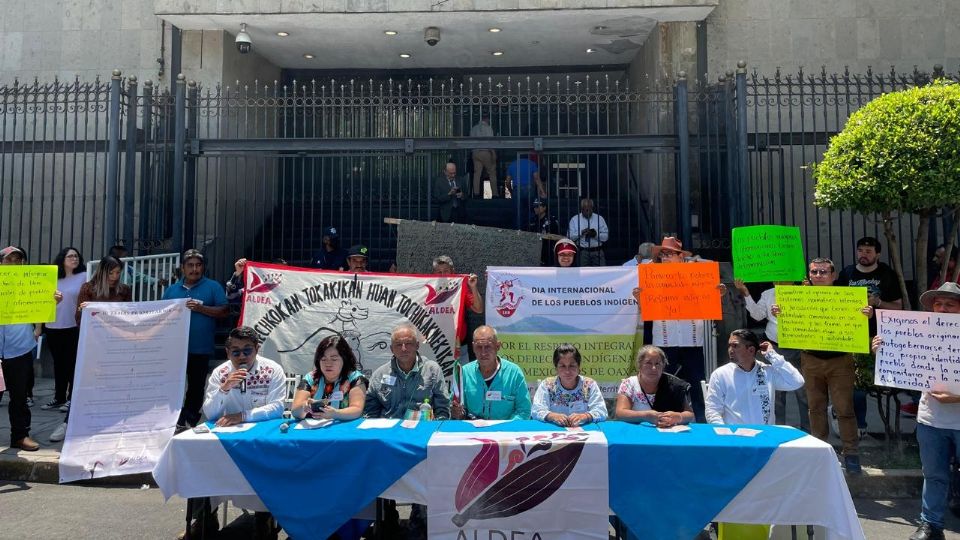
(426, 411)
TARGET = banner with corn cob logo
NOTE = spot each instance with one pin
(550, 484)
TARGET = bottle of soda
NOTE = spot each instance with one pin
(426, 411)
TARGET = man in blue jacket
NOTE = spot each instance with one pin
(493, 387)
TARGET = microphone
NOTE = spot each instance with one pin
(243, 383)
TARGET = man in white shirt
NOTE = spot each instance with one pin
(762, 310)
(245, 388)
(644, 255)
(590, 232)
(741, 391)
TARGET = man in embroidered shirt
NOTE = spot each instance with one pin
(493, 387)
(245, 388)
(590, 232)
(741, 391)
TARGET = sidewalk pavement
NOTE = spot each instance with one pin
(42, 465)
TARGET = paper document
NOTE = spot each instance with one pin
(378, 423)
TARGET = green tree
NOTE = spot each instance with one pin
(897, 155)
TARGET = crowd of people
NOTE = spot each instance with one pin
(751, 388)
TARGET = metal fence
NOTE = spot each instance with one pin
(258, 170)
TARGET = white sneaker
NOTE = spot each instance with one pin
(65, 407)
(59, 433)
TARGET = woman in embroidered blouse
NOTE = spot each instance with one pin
(335, 381)
(569, 399)
(652, 395)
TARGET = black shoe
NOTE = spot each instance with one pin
(927, 531)
(852, 464)
(196, 528)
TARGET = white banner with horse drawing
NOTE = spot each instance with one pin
(293, 309)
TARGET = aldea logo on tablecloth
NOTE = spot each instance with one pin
(533, 472)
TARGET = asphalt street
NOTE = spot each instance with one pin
(30, 510)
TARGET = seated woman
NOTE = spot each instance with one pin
(568, 399)
(652, 395)
(335, 385)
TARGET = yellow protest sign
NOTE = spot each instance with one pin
(26, 293)
(823, 318)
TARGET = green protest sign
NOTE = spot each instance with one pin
(768, 253)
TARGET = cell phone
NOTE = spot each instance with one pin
(317, 406)
(202, 428)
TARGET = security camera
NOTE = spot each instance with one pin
(243, 41)
(431, 35)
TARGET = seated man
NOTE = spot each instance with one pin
(741, 391)
(245, 388)
(493, 387)
(399, 387)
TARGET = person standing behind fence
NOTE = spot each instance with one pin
(207, 302)
(759, 311)
(590, 232)
(450, 196)
(484, 158)
(104, 286)
(63, 333)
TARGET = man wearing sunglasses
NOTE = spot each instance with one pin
(245, 388)
(831, 375)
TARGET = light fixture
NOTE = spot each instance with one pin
(493, 30)
(497, 53)
(283, 34)
(308, 56)
(390, 32)
(599, 27)
(404, 55)
(589, 51)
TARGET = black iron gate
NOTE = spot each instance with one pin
(258, 170)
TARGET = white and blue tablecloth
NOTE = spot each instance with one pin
(661, 485)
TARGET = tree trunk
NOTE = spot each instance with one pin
(894, 247)
(920, 251)
(948, 246)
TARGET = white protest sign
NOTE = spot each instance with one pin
(920, 351)
(128, 387)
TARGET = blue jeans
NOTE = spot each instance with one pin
(936, 447)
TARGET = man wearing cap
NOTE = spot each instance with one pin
(17, 342)
(544, 223)
(830, 375)
(357, 259)
(565, 252)
(484, 158)
(332, 256)
(443, 266)
(938, 430)
(589, 231)
(450, 196)
(207, 303)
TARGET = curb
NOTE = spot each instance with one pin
(886, 484)
(45, 469)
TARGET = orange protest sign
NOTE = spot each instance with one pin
(678, 291)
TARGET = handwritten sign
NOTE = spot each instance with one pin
(920, 351)
(679, 291)
(26, 294)
(768, 253)
(823, 318)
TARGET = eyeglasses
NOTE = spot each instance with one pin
(72, 256)
(819, 272)
(237, 353)
(654, 365)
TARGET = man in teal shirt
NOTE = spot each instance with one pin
(493, 387)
